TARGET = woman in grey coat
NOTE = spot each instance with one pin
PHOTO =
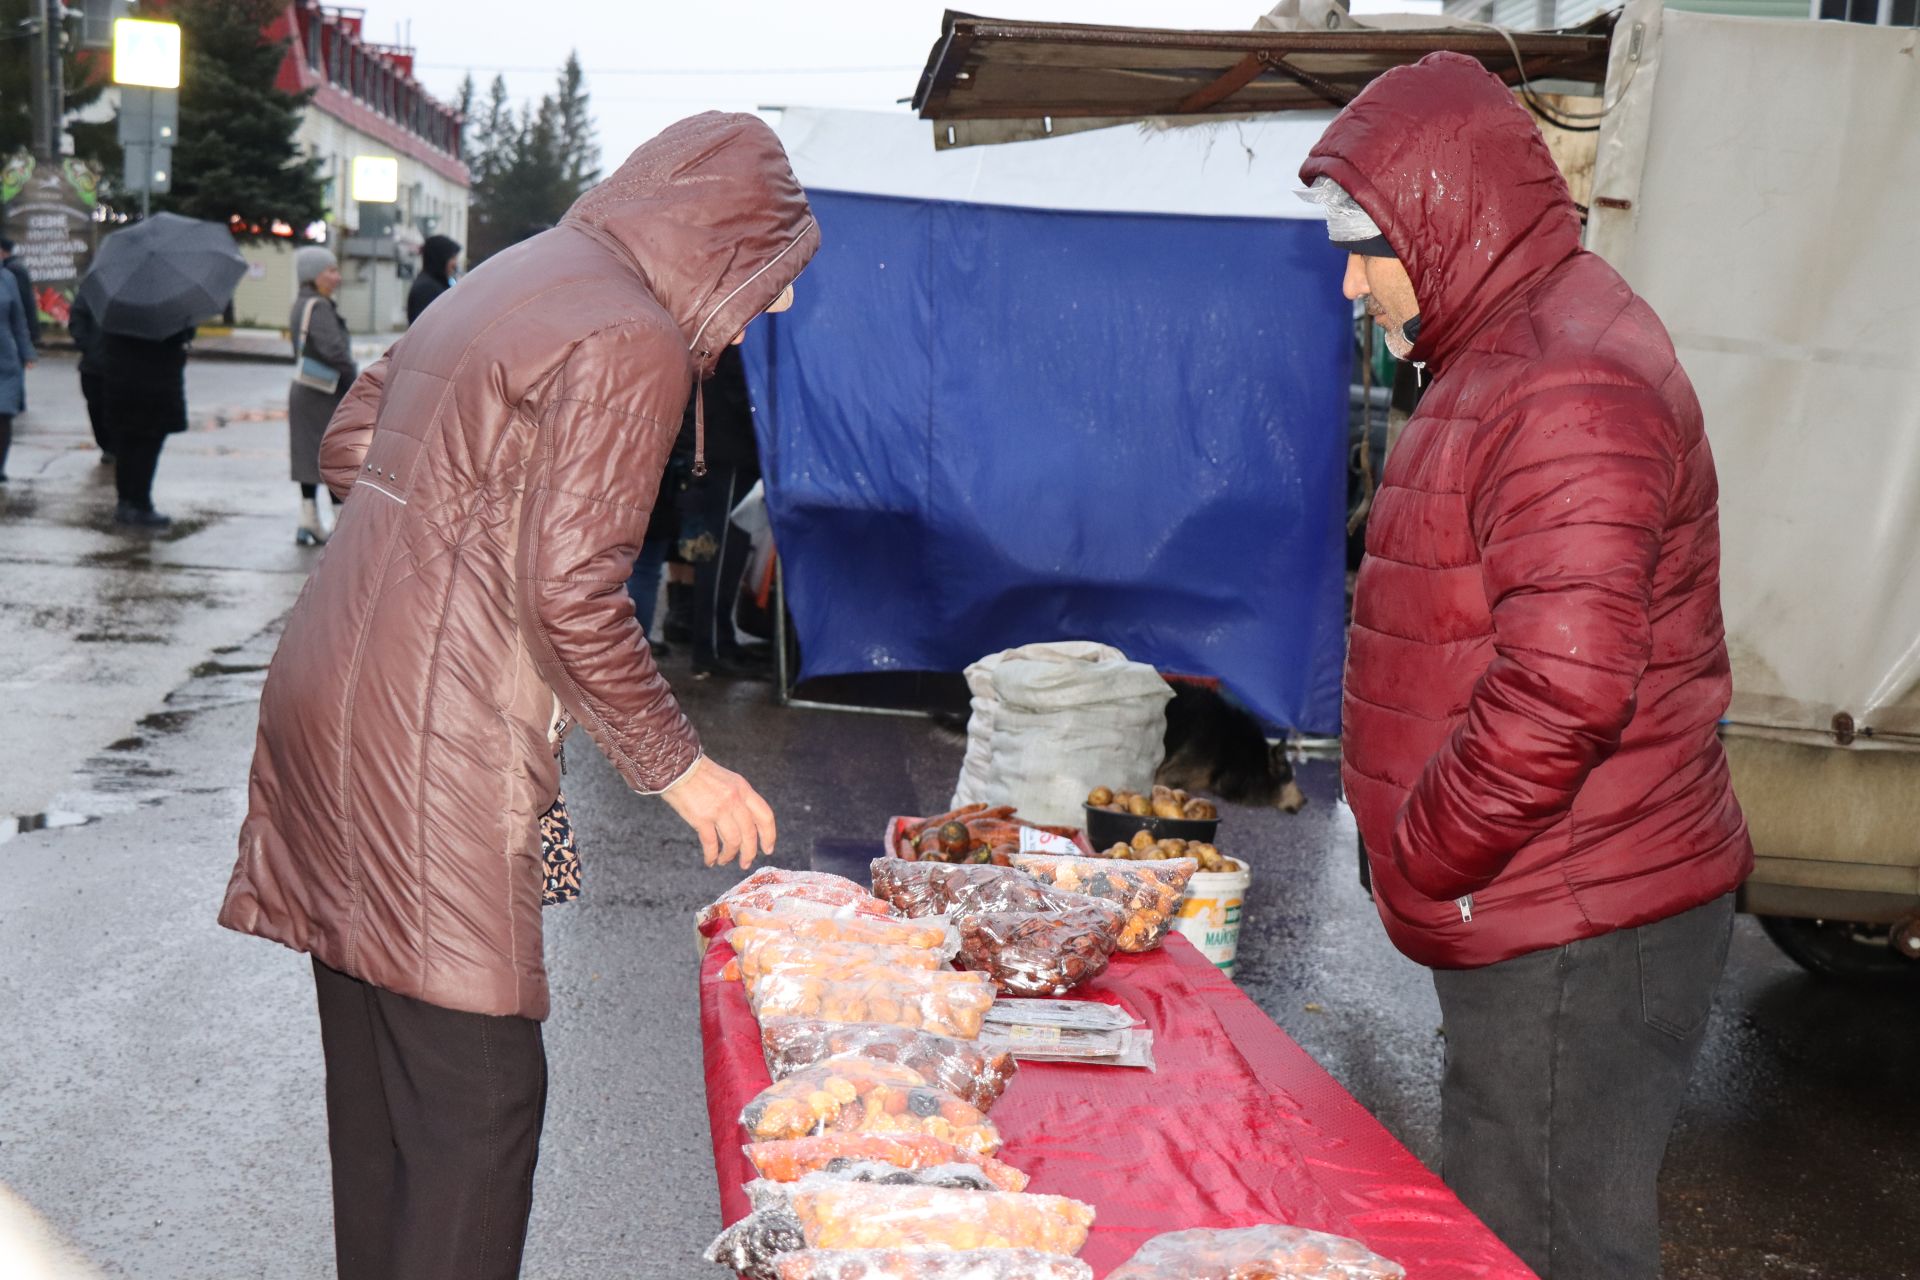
(320, 344)
(16, 357)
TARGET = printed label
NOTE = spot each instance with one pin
(1033, 841)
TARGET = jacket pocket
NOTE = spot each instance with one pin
(1681, 959)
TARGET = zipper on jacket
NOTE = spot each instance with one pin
(1466, 908)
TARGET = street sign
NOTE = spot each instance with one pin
(149, 125)
(146, 53)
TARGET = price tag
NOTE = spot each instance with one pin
(1035, 841)
(1029, 1037)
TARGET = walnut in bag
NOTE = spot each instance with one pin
(1150, 891)
(919, 889)
(1041, 953)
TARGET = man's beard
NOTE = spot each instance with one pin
(1396, 337)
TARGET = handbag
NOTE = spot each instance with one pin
(315, 375)
(559, 857)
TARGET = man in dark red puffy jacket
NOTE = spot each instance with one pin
(1537, 670)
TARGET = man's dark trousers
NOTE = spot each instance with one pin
(1565, 1071)
(433, 1122)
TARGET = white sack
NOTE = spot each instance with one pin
(1053, 721)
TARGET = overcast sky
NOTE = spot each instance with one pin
(650, 62)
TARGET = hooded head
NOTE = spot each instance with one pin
(1462, 186)
(437, 254)
(713, 217)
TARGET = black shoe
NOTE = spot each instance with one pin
(660, 648)
(140, 517)
(106, 459)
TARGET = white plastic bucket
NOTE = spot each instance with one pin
(1210, 913)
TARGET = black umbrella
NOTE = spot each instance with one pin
(162, 275)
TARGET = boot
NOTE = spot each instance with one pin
(311, 532)
(140, 517)
(678, 625)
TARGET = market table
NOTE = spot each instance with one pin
(1238, 1126)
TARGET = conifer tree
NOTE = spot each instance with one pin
(237, 156)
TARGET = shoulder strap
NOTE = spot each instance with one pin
(306, 325)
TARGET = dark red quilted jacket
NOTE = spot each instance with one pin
(1537, 666)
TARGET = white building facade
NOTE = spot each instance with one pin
(365, 103)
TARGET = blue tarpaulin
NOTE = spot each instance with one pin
(985, 426)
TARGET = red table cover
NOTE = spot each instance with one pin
(1237, 1127)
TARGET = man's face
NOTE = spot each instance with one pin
(1382, 287)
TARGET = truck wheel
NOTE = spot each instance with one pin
(1842, 950)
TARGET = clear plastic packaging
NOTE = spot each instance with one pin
(945, 1003)
(749, 1247)
(764, 1193)
(1150, 891)
(1254, 1253)
(865, 1096)
(1041, 953)
(759, 952)
(769, 885)
(929, 1264)
(918, 889)
(860, 929)
(1068, 1015)
(962, 1067)
(1132, 1047)
(841, 1216)
(791, 1160)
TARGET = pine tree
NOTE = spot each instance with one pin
(528, 166)
(238, 156)
(579, 143)
(463, 107)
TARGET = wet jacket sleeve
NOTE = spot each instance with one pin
(344, 447)
(1569, 506)
(606, 424)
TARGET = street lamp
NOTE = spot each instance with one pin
(146, 66)
(376, 180)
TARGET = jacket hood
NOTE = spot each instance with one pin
(1462, 185)
(437, 254)
(712, 215)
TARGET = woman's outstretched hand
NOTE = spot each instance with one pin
(724, 811)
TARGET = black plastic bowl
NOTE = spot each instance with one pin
(1106, 828)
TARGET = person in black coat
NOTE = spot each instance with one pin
(87, 336)
(437, 257)
(708, 539)
(145, 386)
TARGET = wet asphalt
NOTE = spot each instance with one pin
(159, 1079)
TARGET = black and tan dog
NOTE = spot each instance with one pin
(1214, 746)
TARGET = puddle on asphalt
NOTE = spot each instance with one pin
(131, 772)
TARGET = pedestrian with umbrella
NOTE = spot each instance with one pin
(149, 287)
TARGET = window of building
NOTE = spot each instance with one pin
(1897, 13)
(314, 35)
